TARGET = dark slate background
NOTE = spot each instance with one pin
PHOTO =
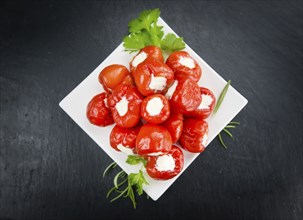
(50, 169)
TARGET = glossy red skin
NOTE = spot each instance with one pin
(186, 97)
(128, 80)
(174, 125)
(142, 75)
(112, 76)
(173, 62)
(153, 139)
(192, 135)
(174, 110)
(151, 51)
(97, 112)
(151, 167)
(125, 136)
(156, 119)
(204, 113)
(132, 116)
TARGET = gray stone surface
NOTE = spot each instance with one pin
(50, 169)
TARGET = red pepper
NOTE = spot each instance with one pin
(174, 125)
(149, 108)
(194, 135)
(174, 156)
(150, 51)
(97, 111)
(207, 105)
(127, 98)
(153, 139)
(186, 97)
(124, 136)
(112, 76)
(183, 64)
(128, 80)
(153, 76)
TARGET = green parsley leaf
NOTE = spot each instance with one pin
(144, 31)
(135, 159)
(140, 183)
(138, 180)
(128, 181)
(156, 34)
(172, 43)
(136, 41)
(145, 20)
(135, 26)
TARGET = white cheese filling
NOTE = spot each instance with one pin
(187, 61)
(204, 140)
(105, 102)
(156, 154)
(139, 59)
(154, 106)
(171, 90)
(125, 150)
(165, 163)
(122, 106)
(206, 101)
(157, 83)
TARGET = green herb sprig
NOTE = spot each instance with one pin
(221, 97)
(128, 181)
(107, 169)
(144, 31)
(232, 125)
(123, 183)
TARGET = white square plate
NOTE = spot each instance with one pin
(74, 104)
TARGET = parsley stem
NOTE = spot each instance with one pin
(132, 197)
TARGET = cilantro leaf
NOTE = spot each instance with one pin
(134, 159)
(172, 43)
